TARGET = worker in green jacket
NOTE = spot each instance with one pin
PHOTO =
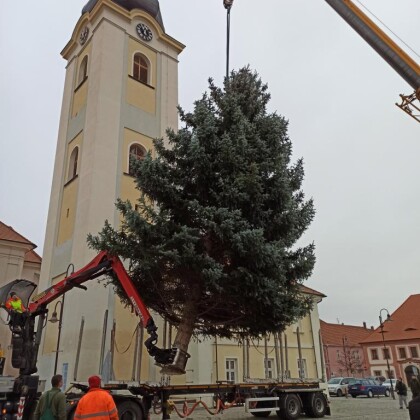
(52, 404)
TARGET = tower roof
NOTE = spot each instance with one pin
(149, 6)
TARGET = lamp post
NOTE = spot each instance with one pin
(228, 5)
(53, 320)
(386, 352)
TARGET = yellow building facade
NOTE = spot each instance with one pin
(120, 93)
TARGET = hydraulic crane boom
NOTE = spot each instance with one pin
(401, 62)
(26, 341)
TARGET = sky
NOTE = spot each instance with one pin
(360, 150)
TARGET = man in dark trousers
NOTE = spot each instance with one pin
(415, 386)
(414, 408)
(401, 389)
(414, 405)
(52, 404)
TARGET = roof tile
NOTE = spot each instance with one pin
(332, 334)
(7, 233)
(404, 324)
(33, 257)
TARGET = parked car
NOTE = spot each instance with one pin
(339, 386)
(387, 383)
(367, 387)
(377, 379)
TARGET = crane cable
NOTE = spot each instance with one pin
(187, 411)
(387, 27)
(129, 345)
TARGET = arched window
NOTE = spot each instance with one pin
(73, 164)
(83, 69)
(137, 152)
(141, 68)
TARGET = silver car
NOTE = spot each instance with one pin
(338, 386)
(387, 383)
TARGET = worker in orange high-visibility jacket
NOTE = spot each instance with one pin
(14, 303)
(97, 404)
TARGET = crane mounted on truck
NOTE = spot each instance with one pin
(287, 398)
(26, 338)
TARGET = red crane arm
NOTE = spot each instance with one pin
(105, 263)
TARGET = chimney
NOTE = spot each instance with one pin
(364, 325)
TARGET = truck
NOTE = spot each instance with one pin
(19, 396)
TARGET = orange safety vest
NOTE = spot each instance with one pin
(97, 404)
(15, 305)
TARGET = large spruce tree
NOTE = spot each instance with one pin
(212, 240)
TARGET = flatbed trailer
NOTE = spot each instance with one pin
(289, 399)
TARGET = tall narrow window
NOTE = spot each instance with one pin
(73, 164)
(231, 370)
(141, 68)
(83, 69)
(374, 354)
(402, 353)
(137, 152)
(414, 352)
(303, 370)
(269, 368)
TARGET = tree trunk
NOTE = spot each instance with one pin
(182, 339)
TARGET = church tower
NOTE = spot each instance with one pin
(120, 92)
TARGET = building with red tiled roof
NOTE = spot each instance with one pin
(400, 342)
(343, 353)
(18, 260)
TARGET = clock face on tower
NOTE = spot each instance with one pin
(144, 32)
(84, 35)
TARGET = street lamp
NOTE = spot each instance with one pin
(386, 352)
(54, 319)
(228, 5)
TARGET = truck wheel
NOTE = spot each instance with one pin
(129, 410)
(290, 407)
(317, 407)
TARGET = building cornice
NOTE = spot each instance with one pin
(129, 16)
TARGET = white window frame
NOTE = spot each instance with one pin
(305, 368)
(377, 353)
(231, 369)
(398, 352)
(129, 154)
(73, 159)
(149, 67)
(410, 346)
(83, 70)
(389, 353)
(269, 368)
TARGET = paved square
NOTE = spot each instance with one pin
(383, 408)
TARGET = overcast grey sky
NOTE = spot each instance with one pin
(360, 151)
